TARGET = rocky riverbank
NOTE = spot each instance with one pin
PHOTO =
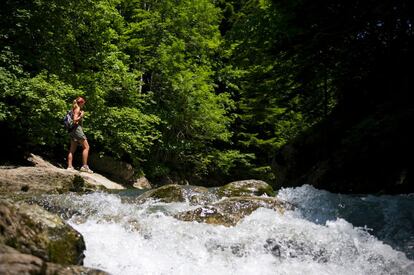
(34, 238)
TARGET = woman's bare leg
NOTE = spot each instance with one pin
(72, 150)
(85, 151)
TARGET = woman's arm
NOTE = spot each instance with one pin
(77, 115)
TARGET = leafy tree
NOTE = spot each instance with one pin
(66, 49)
(32, 108)
(272, 106)
(172, 46)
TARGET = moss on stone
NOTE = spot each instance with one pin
(32, 230)
(65, 247)
(167, 193)
(78, 184)
(246, 188)
(230, 211)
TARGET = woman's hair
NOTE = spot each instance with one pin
(77, 101)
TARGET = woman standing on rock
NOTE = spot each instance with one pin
(77, 136)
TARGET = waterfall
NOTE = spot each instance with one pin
(325, 234)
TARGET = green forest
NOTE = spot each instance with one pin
(210, 91)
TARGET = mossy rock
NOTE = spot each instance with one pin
(167, 193)
(178, 193)
(80, 185)
(32, 230)
(230, 211)
(243, 206)
(208, 214)
(246, 188)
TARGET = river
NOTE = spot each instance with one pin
(326, 234)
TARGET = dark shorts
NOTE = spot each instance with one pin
(77, 134)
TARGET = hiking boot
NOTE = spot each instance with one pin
(86, 169)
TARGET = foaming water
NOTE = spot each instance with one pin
(389, 218)
(126, 238)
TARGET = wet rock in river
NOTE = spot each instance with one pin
(230, 211)
(246, 188)
(32, 230)
(179, 193)
(201, 195)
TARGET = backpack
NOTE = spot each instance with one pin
(68, 121)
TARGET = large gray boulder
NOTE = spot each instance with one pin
(47, 178)
(40, 180)
(118, 170)
(32, 230)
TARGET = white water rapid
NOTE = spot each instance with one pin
(323, 235)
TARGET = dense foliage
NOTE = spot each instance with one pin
(206, 90)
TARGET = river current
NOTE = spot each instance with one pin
(326, 234)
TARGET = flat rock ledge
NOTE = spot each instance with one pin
(47, 178)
